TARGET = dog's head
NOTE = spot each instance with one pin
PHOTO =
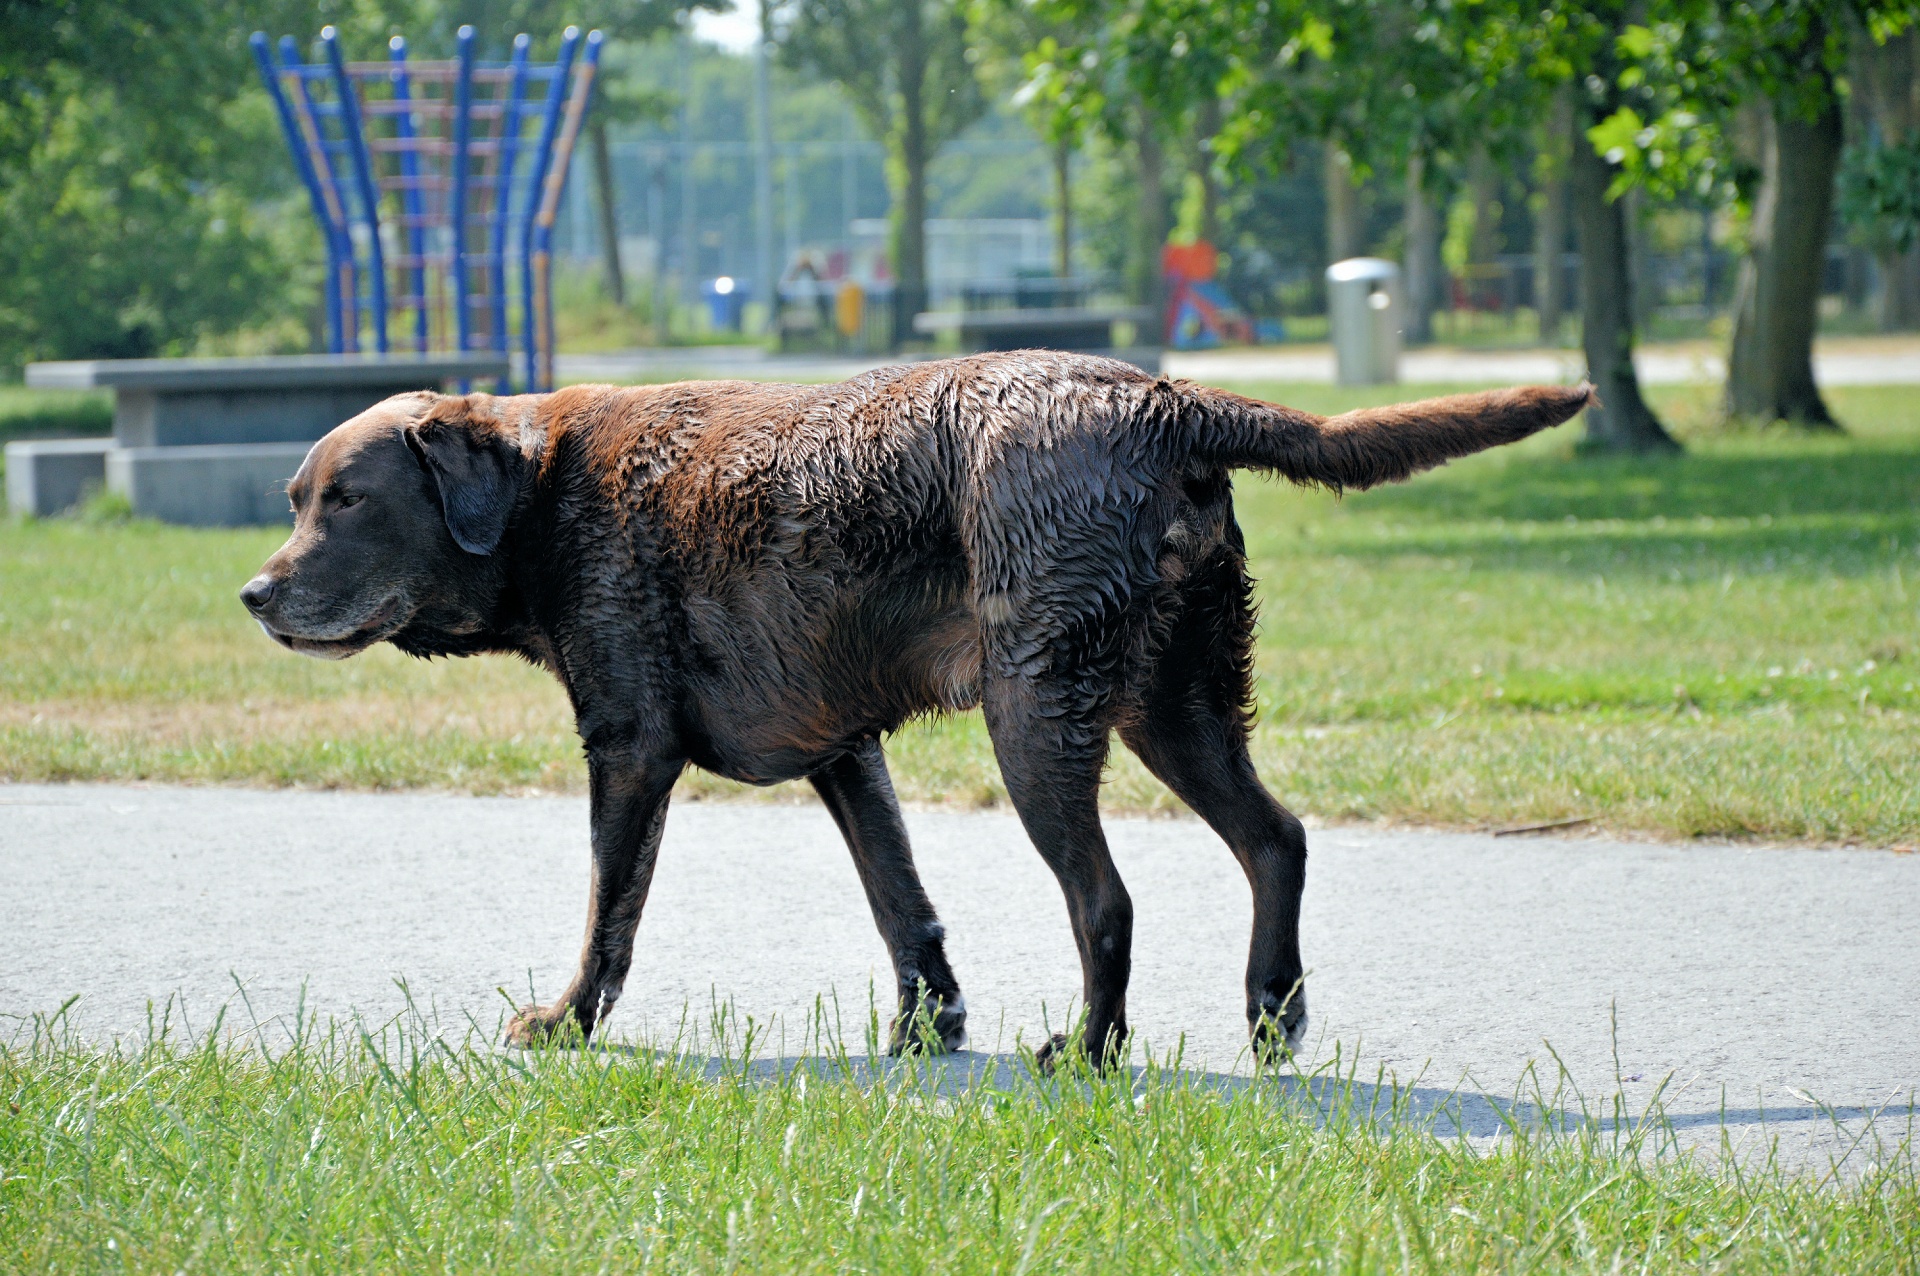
(398, 520)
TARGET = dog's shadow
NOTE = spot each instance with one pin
(1324, 1095)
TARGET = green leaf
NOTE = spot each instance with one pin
(1619, 132)
(1316, 37)
(1635, 42)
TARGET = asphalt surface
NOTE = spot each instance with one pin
(1777, 989)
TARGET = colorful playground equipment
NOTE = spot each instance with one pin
(436, 185)
(1200, 314)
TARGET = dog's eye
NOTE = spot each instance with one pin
(354, 499)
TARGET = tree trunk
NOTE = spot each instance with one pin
(1151, 222)
(1422, 261)
(1343, 205)
(910, 226)
(1777, 306)
(1062, 209)
(1897, 308)
(1621, 421)
(616, 278)
(1483, 191)
(1885, 81)
(1550, 226)
(909, 165)
(767, 269)
(1639, 249)
(1207, 118)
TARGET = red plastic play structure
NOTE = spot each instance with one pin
(1200, 314)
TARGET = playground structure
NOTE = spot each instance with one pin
(436, 185)
(1200, 314)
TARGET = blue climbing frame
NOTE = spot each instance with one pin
(448, 174)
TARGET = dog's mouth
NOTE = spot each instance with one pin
(385, 621)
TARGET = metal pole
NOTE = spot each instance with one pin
(462, 137)
(503, 200)
(849, 181)
(790, 237)
(550, 123)
(363, 178)
(767, 285)
(657, 227)
(410, 192)
(689, 249)
(556, 185)
(303, 164)
(347, 268)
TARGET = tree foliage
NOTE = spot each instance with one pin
(136, 197)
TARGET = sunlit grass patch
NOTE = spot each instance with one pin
(1725, 643)
(396, 1148)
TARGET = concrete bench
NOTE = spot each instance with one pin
(208, 441)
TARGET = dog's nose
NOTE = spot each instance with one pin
(258, 592)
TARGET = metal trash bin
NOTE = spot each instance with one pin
(1364, 319)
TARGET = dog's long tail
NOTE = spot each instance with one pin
(1371, 445)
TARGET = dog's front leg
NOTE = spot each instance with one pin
(629, 805)
(859, 795)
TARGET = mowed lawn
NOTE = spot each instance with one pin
(1721, 644)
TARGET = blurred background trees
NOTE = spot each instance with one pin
(1742, 174)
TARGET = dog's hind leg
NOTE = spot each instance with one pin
(1051, 758)
(629, 812)
(1192, 733)
(859, 795)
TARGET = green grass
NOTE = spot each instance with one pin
(388, 1149)
(1725, 643)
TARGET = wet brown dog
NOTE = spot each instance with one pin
(762, 580)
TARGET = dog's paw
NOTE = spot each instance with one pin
(939, 1025)
(546, 1026)
(1278, 1028)
(1049, 1055)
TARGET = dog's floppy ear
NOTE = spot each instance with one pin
(476, 466)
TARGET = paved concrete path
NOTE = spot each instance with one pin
(1757, 979)
(1840, 361)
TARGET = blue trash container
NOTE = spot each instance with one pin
(726, 298)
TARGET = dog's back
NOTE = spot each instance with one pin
(847, 556)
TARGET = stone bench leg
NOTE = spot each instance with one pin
(49, 476)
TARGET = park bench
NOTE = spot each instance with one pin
(212, 442)
(1052, 328)
(1025, 314)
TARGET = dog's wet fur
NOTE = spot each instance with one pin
(764, 580)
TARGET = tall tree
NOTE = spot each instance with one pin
(136, 216)
(1880, 176)
(1421, 260)
(1550, 217)
(1344, 230)
(1151, 73)
(1704, 63)
(1392, 88)
(1580, 49)
(1027, 47)
(904, 65)
(1777, 300)
(620, 101)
